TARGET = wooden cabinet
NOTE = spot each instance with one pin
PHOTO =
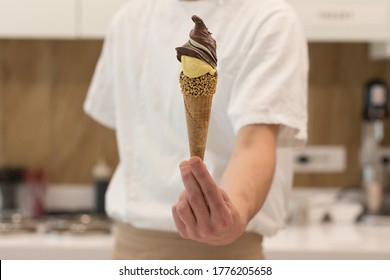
(96, 15)
(37, 18)
(344, 20)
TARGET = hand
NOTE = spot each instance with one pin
(204, 212)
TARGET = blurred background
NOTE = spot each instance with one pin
(44, 84)
(60, 161)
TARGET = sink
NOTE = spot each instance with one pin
(357, 194)
(375, 220)
(335, 206)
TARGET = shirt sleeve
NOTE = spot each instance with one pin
(271, 84)
(100, 102)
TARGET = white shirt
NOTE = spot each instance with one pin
(262, 68)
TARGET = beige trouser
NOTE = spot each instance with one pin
(141, 244)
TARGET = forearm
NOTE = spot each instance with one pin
(248, 176)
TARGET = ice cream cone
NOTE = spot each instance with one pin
(198, 96)
(198, 82)
(198, 110)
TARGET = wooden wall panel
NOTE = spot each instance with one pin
(26, 102)
(43, 86)
(1, 103)
(42, 91)
(77, 139)
(337, 77)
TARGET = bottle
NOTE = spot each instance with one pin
(10, 179)
(101, 175)
(36, 183)
(373, 186)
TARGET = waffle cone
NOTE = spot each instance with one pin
(198, 111)
(198, 96)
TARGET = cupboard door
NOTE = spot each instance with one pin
(96, 16)
(344, 20)
(37, 18)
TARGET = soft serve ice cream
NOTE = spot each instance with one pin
(198, 55)
(198, 82)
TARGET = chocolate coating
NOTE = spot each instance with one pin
(202, 36)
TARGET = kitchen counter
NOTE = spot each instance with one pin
(339, 240)
(348, 241)
(45, 246)
(304, 242)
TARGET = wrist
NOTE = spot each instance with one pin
(246, 214)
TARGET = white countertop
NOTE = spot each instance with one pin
(306, 242)
(328, 241)
(42, 246)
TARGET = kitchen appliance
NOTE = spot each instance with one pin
(374, 113)
(10, 179)
(14, 223)
(78, 224)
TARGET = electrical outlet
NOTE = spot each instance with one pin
(320, 159)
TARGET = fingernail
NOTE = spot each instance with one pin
(195, 160)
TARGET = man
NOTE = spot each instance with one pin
(222, 210)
